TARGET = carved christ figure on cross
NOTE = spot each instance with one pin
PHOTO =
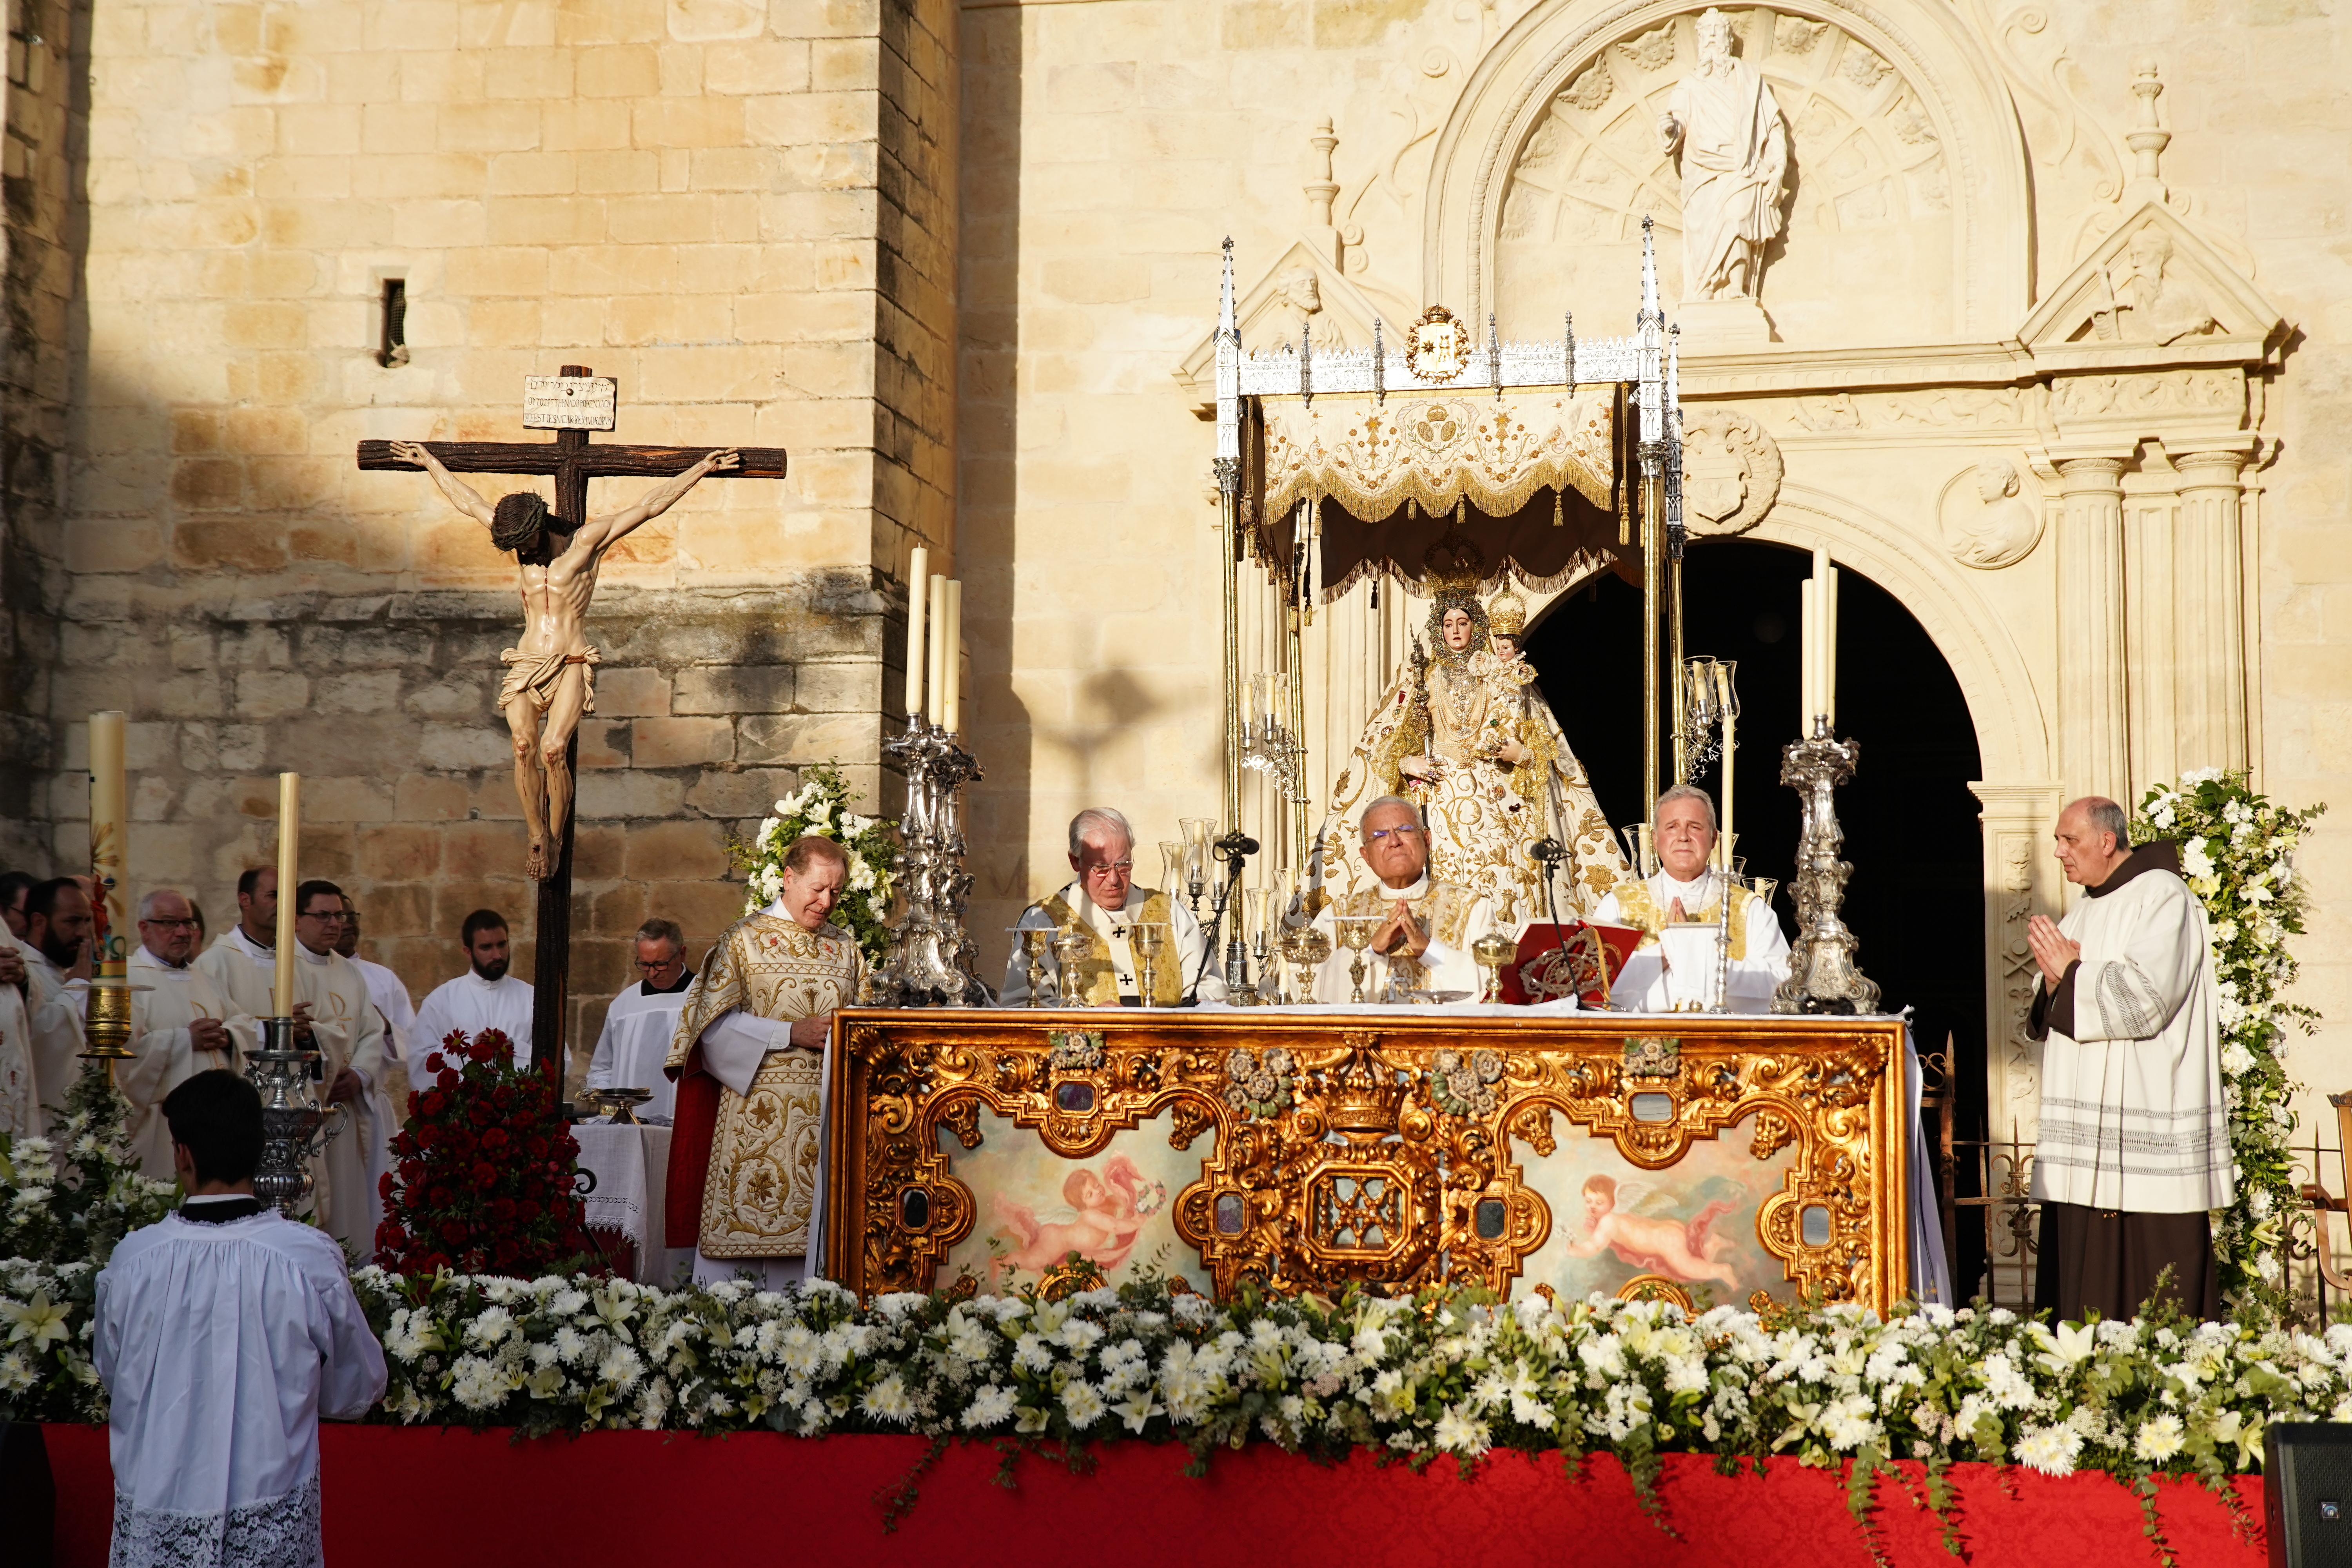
(551, 680)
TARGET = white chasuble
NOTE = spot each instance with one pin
(1683, 964)
(164, 1056)
(351, 1031)
(20, 1097)
(53, 1019)
(760, 1189)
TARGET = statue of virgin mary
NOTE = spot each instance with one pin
(1463, 732)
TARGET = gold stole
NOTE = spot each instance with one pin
(1097, 980)
(1442, 910)
(1637, 908)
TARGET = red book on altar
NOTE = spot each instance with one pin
(1537, 971)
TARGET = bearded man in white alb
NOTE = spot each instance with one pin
(1679, 912)
(1421, 929)
(182, 1024)
(2135, 1140)
(56, 948)
(643, 1019)
(749, 1060)
(485, 997)
(1103, 901)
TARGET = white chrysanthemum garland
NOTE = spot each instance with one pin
(820, 805)
(2237, 855)
(65, 1201)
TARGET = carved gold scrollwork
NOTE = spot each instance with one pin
(1386, 1160)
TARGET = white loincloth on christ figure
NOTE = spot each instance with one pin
(745, 1161)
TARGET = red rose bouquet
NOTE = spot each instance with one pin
(482, 1177)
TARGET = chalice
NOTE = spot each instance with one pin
(1306, 948)
(1150, 940)
(1492, 951)
(1033, 940)
(1071, 948)
(1356, 936)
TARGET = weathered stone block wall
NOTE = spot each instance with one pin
(739, 211)
(46, 126)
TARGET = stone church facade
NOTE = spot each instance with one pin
(2051, 346)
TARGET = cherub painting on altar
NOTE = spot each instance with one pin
(1032, 1209)
(1687, 1250)
(1692, 1224)
(1105, 1214)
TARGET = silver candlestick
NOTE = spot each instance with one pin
(293, 1127)
(932, 961)
(1822, 976)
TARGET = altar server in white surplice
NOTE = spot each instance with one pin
(485, 997)
(1679, 912)
(56, 948)
(223, 1333)
(386, 989)
(181, 1024)
(639, 1024)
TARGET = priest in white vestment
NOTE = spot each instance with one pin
(333, 1017)
(634, 1044)
(1679, 911)
(56, 948)
(485, 997)
(386, 989)
(182, 1024)
(749, 1058)
(223, 1333)
(1419, 931)
(20, 1097)
(1104, 902)
(2134, 1147)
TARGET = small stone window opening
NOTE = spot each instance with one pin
(393, 351)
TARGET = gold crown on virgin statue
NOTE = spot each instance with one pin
(1507, 614)
(1453, 566)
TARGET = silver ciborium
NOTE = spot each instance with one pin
(294, 1128)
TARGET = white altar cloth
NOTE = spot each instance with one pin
(631, 1164)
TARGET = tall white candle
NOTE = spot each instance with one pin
(1829, 647)
(109, 825)
(1730, 748)
(918, 576)
(1805, 635)
(952, 652)
(290, 829)
(935, 685)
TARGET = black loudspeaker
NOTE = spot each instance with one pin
(2307, 1493)
(29, 1500)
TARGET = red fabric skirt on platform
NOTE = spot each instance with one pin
(399, 1496)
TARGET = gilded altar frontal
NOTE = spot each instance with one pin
(2037, 318)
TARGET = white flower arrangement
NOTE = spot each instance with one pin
(820, 805)
(2237, 855)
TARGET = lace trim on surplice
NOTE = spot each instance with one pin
(274, 1533)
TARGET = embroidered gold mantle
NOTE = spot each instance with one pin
(1637, 907)
(1442, 910)
(762, 1191)
(1098, 979)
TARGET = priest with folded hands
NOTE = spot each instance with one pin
(749, 1060)
(1420, 928)
(1679, 911)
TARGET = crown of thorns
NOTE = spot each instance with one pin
(518, 519)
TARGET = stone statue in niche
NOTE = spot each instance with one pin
(1298, 303)
(1998, 528)
(1727, 125)
(2150, 300)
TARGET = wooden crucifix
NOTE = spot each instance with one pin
(551, 680)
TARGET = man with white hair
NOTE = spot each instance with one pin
(2135, 1140)
(1104, 902)
(1680, 913)
(1420, 928)
(182, 1024)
